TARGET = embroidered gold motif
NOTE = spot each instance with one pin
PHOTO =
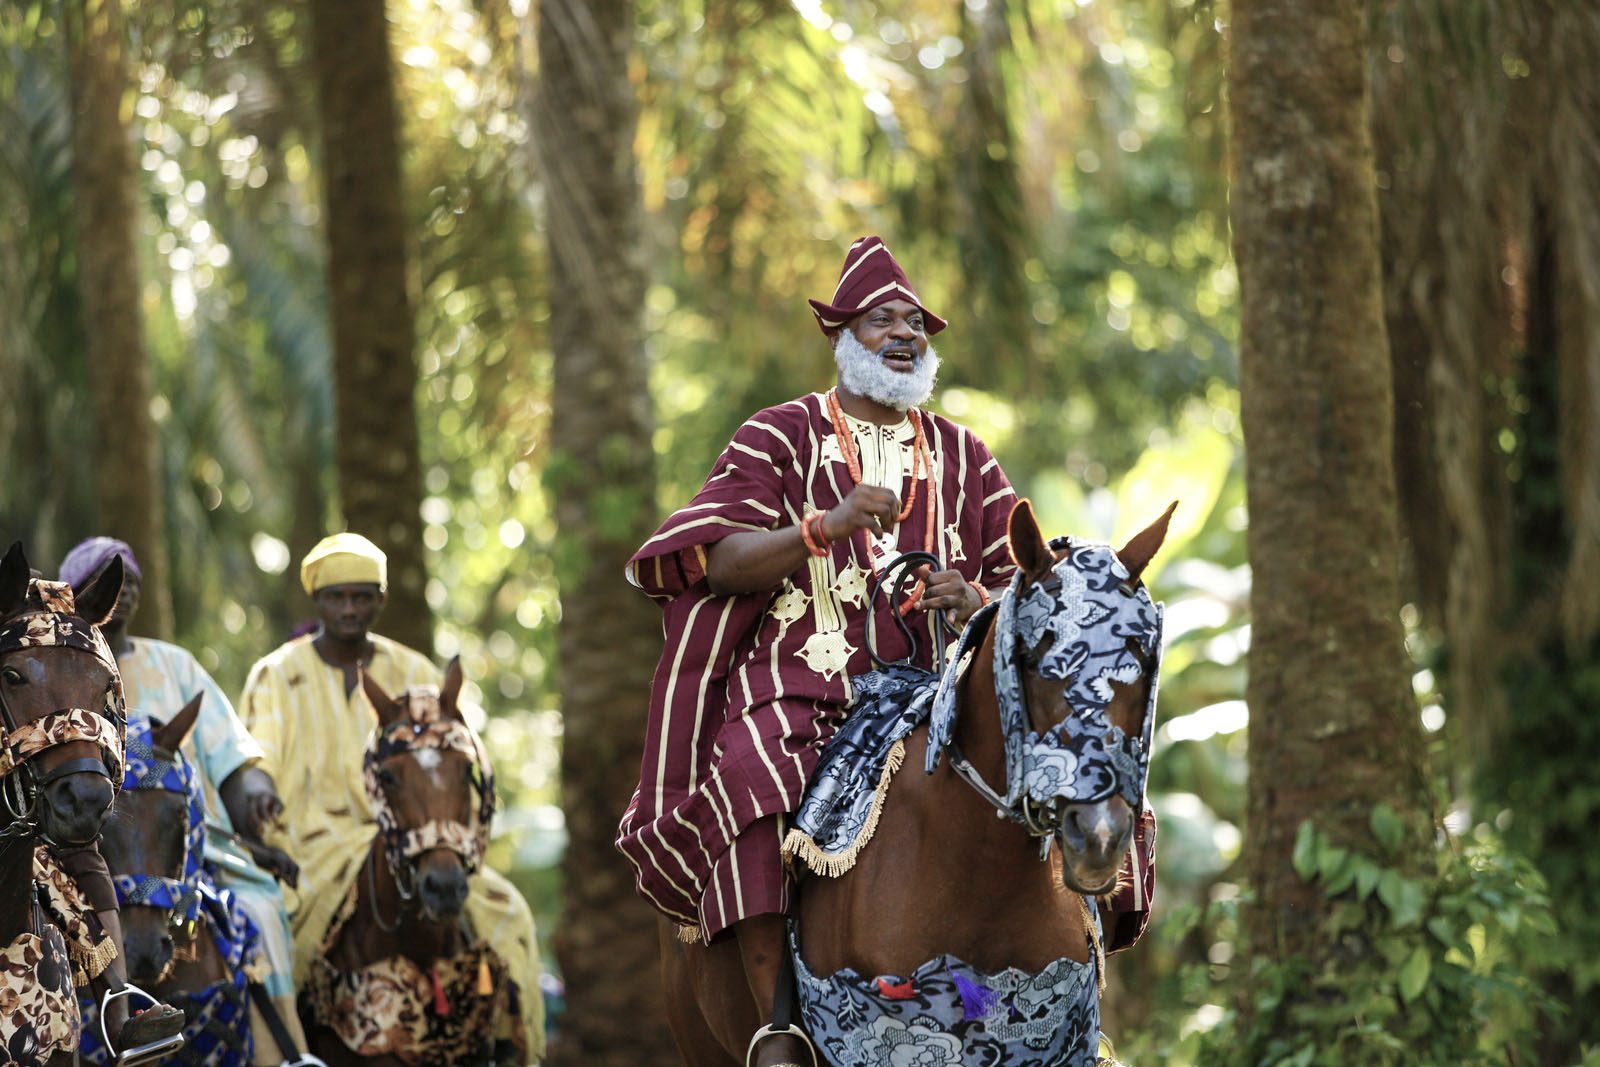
(952, 537)
(790, 604)
(852, 586)
(827, 652)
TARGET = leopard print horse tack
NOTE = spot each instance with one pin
(38, 1006)
(393, 1007)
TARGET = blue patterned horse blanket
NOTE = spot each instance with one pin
(949, 1014)
(845, 793)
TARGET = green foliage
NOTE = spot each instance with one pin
(1541, 788)
(1437, 971)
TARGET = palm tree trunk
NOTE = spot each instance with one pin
(122, 433)
(374, 334)
(601, 473)
(1333, 723)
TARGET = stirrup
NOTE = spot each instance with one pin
(149, 1052)
(770, 1031)
(1105, 1053)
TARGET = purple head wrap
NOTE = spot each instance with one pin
(89, 556)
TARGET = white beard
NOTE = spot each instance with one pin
(864, 373)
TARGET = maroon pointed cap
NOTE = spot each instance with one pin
(870, 278)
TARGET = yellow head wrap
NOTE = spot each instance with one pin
(343, 559)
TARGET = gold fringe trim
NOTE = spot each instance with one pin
(90, 963)
(689, 935)
(831, 865)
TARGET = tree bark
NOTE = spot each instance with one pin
(601, 474)
(127, 474)
(1333, 723)
(374, 333)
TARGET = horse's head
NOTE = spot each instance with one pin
(60, 701)
(432, 792)
(1078, 643)
(155, 844)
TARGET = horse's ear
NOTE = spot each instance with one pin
(13, 580)
(1138, 552)
(170, 736)
(1027, 543)
(98, 597)
(387, 707)
(451, 693)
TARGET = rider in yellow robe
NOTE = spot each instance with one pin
(313, 720)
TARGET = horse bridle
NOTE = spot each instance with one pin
(148, 769)
(893, 577)
(402, 845)
(1040, 823)
(1042, 812)
(20, 782)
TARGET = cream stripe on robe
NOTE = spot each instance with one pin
(312, 736)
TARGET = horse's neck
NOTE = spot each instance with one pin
(977, 725)
(365, 939)
(16, 885)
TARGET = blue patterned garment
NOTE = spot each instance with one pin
(837, 815)
(1075, 626)
(948, 1014)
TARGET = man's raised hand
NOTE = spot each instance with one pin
(868, 507)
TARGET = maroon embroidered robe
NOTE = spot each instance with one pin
(749, 687)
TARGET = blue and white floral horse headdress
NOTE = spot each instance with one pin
(1091, 626)
(148, 769)
(1086, 621)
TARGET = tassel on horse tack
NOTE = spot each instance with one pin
(897, 990)
(485, 979)
(441, 1003)
(977, 1000)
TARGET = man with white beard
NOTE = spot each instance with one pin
(764, 581)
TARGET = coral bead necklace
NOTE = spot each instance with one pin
(921, 471)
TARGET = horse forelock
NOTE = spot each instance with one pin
(422, 703)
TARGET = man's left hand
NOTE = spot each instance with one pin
(252, 800)
(949, 591)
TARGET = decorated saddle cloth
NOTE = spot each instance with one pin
(445, 1013)
(38, 1006)
(450, 1011)
(947, 1013)
(845, 794)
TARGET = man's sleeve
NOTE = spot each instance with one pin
(221, 741)
(265, 718)
(743, 492)
(998, 500)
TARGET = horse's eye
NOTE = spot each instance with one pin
(14, 676)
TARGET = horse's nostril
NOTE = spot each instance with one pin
(445, 887)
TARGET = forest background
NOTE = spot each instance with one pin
(546, 345)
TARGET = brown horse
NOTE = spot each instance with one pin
(186, 941)
(944, 878)
(399, 979)
(61, 703)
